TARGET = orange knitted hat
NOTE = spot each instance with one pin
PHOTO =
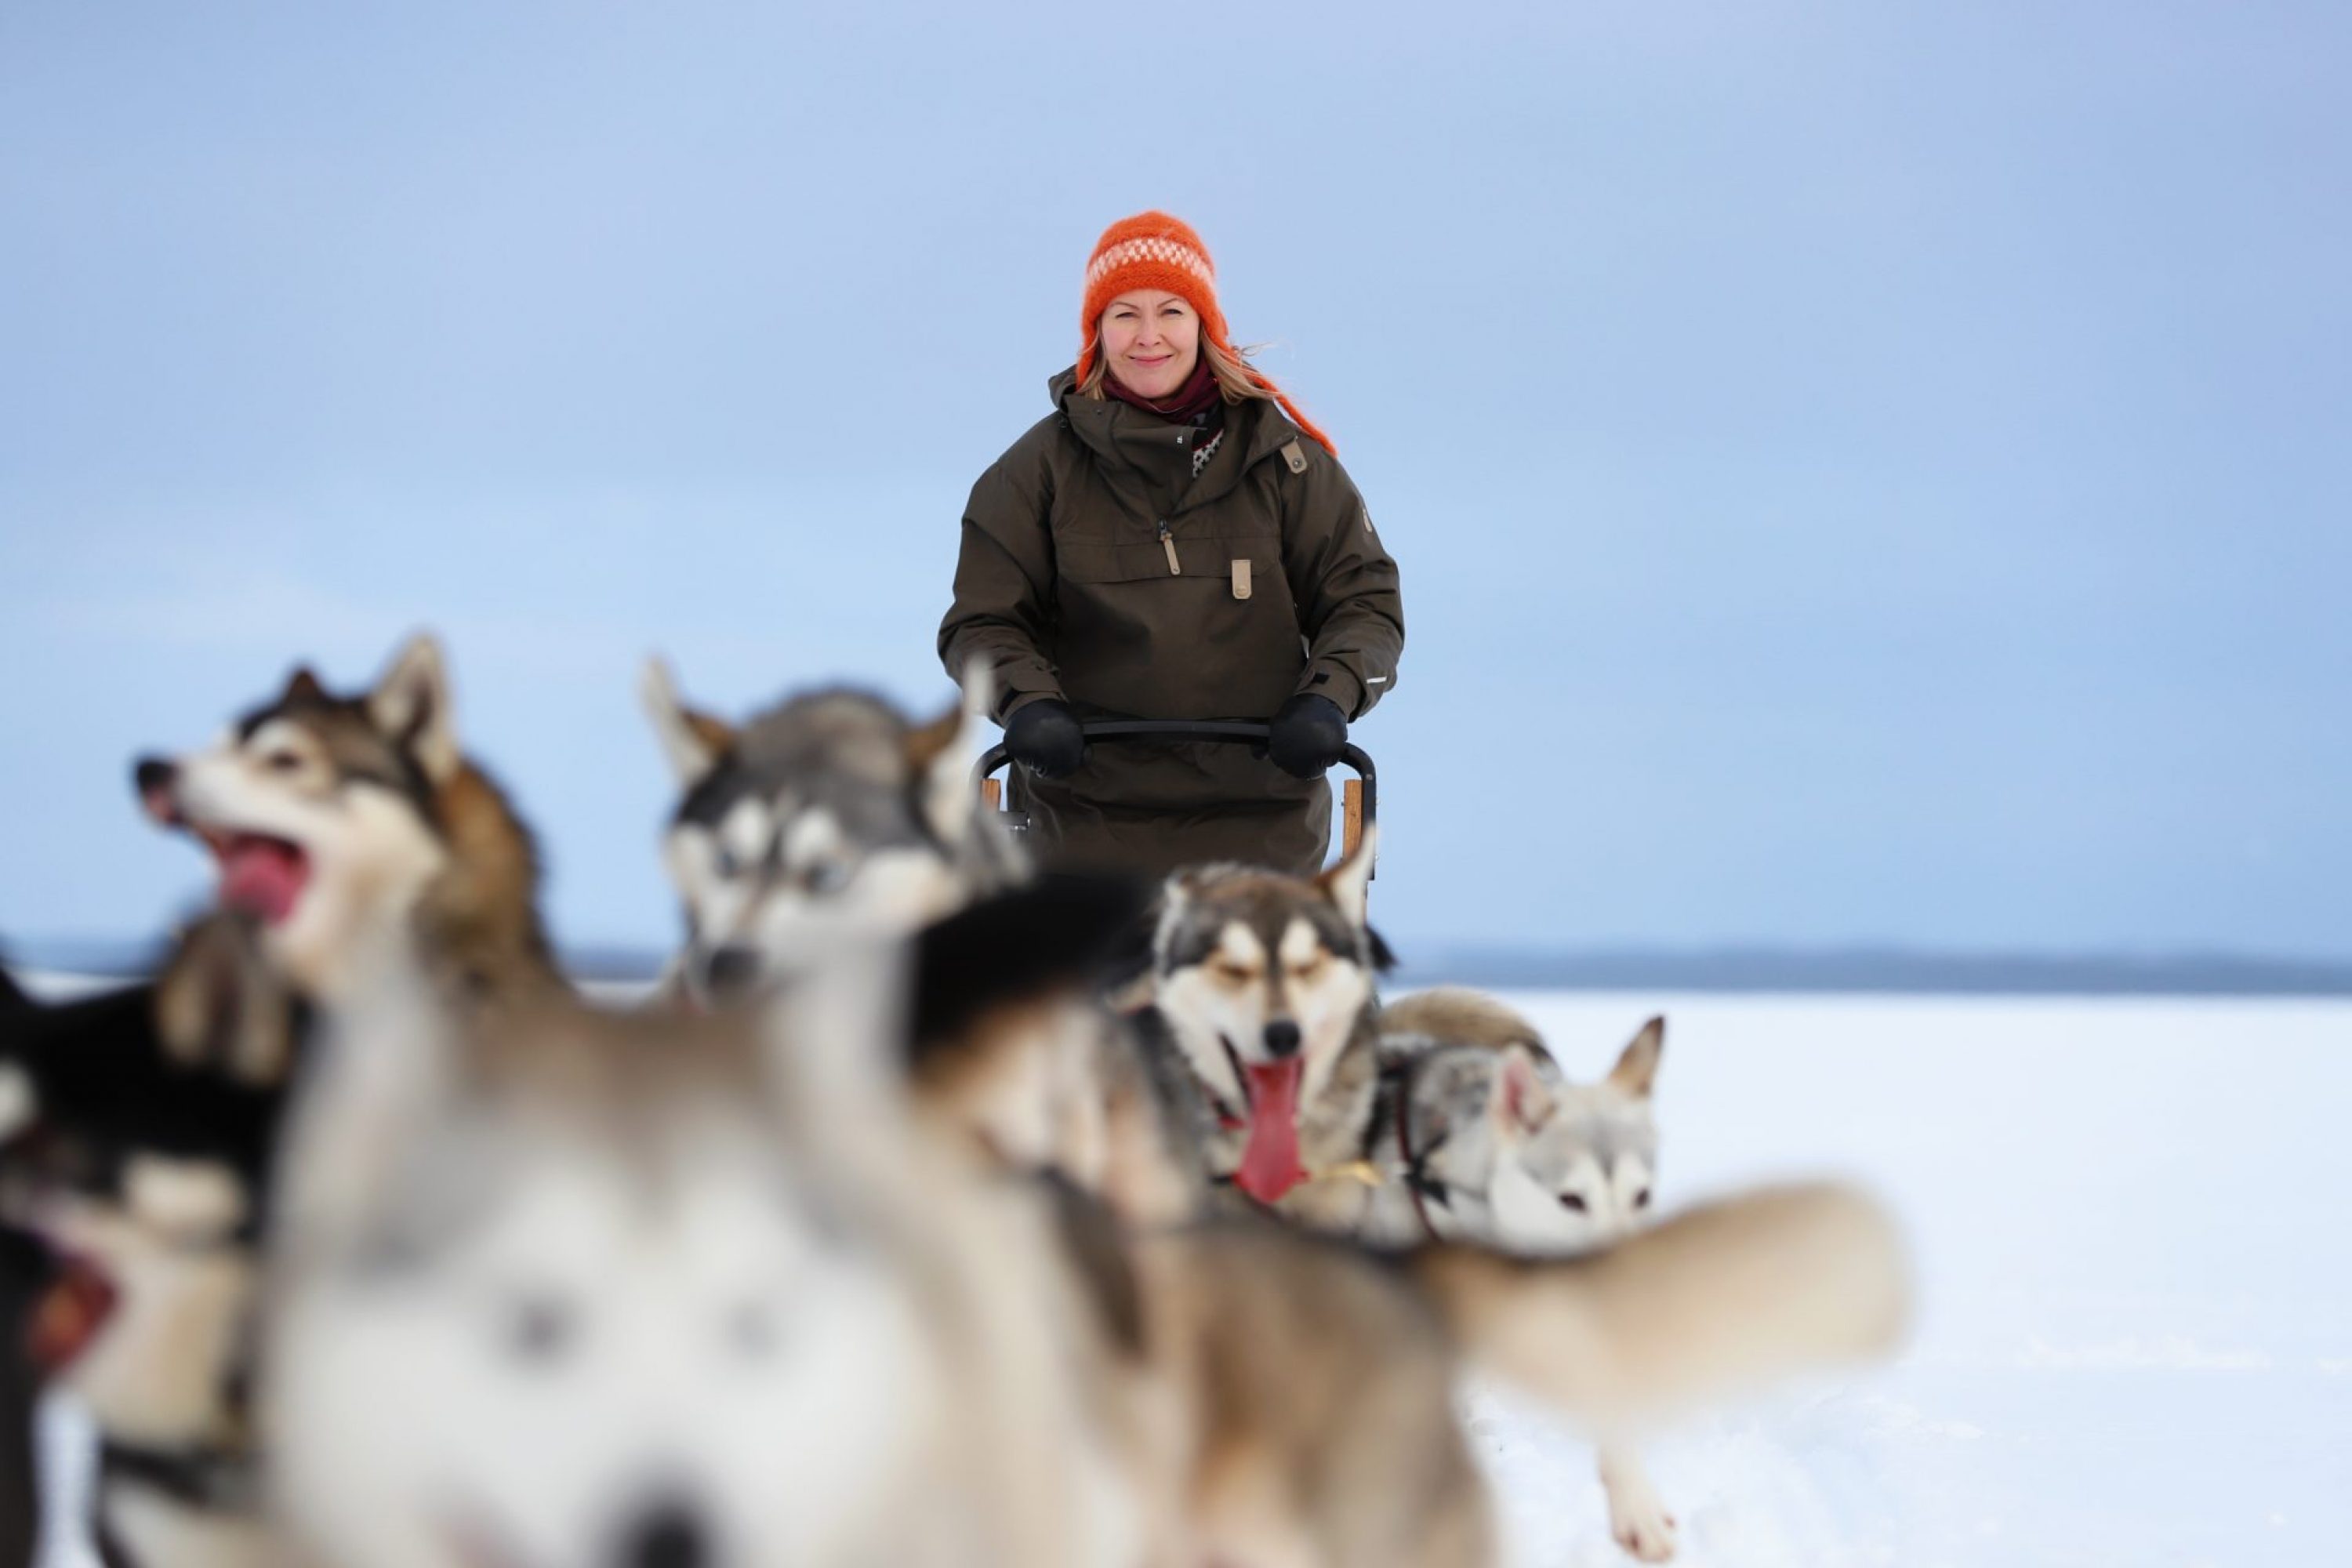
(1155, 250)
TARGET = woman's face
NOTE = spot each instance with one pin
(1150, 341)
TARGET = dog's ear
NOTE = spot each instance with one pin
(1348, 884)
(303, 687)
(1523, 1101)
(1177, 891)
(410, 705)
(940, 757)
(694, 743)
(1384, 958)
(1636, 1071)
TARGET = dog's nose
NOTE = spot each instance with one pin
(667, 1535)
(1282, 1038)
(729, 971)
(155, 780)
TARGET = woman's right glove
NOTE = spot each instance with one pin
(1043, 736)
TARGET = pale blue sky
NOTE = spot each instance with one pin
(1860, 473)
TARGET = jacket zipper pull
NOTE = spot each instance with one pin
(1168, 542)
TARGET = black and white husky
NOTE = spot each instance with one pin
(151, 1116)
(831, 810)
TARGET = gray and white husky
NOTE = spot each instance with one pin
(831, 809)
(1491, 1142)
(1484, 1139)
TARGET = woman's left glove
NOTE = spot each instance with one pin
(1307, 736)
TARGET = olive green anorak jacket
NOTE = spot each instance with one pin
(1097, 569)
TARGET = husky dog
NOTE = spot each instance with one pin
(1486, 1141)
(1264, 982)
(667, 1289)
(154, 1118)
(662, 1288)
(834, 811)
(831, 808)
(49, 1306)
(337, 820)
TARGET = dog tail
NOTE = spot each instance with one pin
(1721, 1299)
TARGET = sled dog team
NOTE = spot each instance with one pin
(932, 1212)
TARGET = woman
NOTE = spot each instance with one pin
(1174, 541)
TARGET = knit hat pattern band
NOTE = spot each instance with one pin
(1157, 251)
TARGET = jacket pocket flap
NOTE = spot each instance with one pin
(1090, 562)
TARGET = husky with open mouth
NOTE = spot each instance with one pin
(334, 820)
(1264, 982)
(151, 1116)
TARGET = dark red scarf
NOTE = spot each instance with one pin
(1200, 395)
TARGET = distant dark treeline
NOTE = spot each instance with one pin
(1892, 970)
(1881, 970)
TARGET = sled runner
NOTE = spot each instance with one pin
(1359, 796)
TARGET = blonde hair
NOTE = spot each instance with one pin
(1230, 367)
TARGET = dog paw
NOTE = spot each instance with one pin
(1641, 1524)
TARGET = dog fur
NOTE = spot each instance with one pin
(372, 825)
(830, 809)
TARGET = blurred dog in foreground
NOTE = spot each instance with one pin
(662, 1289)
(150, 1120)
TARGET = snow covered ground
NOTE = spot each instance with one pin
(2136, 1340)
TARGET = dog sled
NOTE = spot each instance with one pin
(1359, 796)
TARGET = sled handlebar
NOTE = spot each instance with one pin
(1361, 795)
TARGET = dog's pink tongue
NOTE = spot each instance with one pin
(261, 877)
(1270, 1165)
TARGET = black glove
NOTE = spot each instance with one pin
(1043, 736)
(1307, 735)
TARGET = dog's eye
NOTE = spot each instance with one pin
(1233, 973)
(727, 864)
(538, 1330)
(1642, 1199)
(828, 877)
(1573, 1202)
(283, 761)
